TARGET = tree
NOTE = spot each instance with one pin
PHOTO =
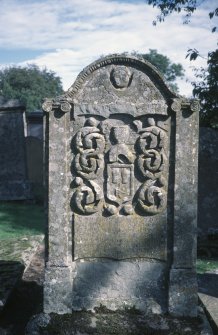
(206, 89)
(170, 70)
(188, 7)
(29, 84)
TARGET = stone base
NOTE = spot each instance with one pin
(121, 322)
(15, 190)
(183, 298)
(112, 284)
(58, 290)
(120, 285)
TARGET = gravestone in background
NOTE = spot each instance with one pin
(208, 181)
(35, 124)
(122, 155)
(14, 184)
(34, 150)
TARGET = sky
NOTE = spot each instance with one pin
(66, 35)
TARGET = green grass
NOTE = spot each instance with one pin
(18, 219)
(204, 265)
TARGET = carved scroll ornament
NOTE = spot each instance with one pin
(87, 197)
(89, 161)
(105, 166)
(152, 165)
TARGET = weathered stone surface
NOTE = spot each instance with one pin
(185, 190)
(125, 322)
(120, 285)
(122, 191)
(58, 290)
(108, 238)
(208, 181)
(13, 173)
(183, 297)
(37, 324)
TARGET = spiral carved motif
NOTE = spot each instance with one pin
(87, 197)
(152, 163)
(89, 165)
(105, 164)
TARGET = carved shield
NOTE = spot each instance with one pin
(120, 182)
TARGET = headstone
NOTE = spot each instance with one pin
(14, 184)
(34, 150)
(122, 153)
(34, 153)
(35, 124)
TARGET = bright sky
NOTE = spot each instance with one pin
(65, 36)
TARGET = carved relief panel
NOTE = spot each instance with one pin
(121, 166)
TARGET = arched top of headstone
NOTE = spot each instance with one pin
(121, 71)
(119, 82)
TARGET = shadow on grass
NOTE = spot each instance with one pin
(19, 218)
(25, 301)
(208, 284)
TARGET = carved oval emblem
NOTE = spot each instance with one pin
(121, 77)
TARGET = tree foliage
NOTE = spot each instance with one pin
(29, 84)
(207, 91)
(171, 71)
(206, 87)
(179, 6)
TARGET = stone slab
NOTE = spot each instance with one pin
(208, 295)
(122, 191)
(211, 307)
(120, 285)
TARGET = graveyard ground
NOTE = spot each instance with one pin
(23, 243)
(20, 219)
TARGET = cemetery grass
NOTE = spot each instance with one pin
(19, 219)
(206, 265)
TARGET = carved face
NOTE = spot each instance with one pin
(120, 77)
